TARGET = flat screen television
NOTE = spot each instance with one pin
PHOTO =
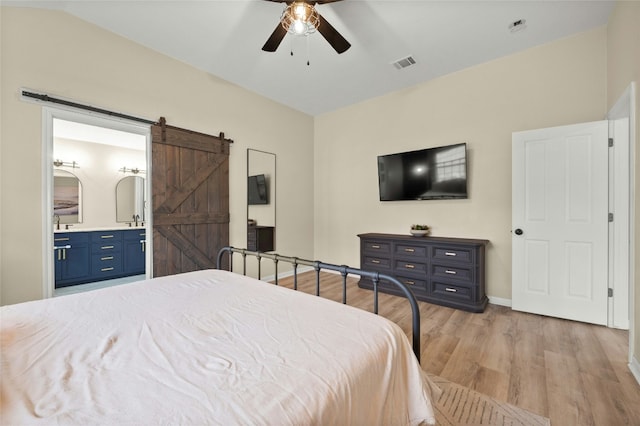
(426, 174)
(257, 192)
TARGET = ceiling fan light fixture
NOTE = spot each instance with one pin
(300, 18)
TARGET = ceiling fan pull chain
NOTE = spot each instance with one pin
(307, 37)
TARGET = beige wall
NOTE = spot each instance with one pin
(559, 83)
(58, 54)
(623, 59)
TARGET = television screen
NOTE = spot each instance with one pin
(433, 173)
(257, 190)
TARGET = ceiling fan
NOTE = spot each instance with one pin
(301, 17)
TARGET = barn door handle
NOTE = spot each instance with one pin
(519, 231)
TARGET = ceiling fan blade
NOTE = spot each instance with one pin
(335, 39)
(275, 39)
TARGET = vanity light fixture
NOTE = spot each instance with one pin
(134, 170)
(60, 163)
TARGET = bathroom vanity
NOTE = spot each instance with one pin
(89, 256)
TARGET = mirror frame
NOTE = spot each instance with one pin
(66, 219)
(271, 188)
(136, 204)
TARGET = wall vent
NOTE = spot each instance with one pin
(404, 62)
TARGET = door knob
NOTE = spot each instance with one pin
(519, 231)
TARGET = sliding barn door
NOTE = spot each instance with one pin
(190, 185)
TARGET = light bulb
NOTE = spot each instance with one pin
(300, 12)
(299, 27)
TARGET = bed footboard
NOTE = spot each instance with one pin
(342, 269)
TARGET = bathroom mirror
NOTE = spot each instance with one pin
(130, 199)
(261, 200)
(67, 198)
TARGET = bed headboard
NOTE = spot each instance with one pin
(344, 270)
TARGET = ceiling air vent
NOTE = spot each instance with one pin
(404, 62)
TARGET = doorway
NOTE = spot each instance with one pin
(621, 201)
(560, 236)
(100, 152)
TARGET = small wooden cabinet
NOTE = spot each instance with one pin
(83, 257)
(444, 271)
(260, 238)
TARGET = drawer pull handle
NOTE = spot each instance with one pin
(450, 253)
(107, 258)
(410, 282)
(409, 250)
(106, 269)
(375, 261)
(409, 266)
(68, 246)
(375, 246)
(61, 239)
(106, 236)
(451, 290)
(106, 247)
(448, 271)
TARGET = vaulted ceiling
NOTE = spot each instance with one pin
(225, 38)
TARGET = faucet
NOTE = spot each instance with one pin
(136, 217)
(56, 219)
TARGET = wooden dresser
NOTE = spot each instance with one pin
(444, 271)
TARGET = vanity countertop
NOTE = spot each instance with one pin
(104, 228)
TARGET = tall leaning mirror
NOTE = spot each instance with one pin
(261, 200)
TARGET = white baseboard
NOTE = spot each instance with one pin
(500, 301)
(634, 366)
(301, 269)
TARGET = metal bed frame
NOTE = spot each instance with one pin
(344, 270)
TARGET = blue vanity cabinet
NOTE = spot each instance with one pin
(106, 254)
(134, 243)
(71, 258)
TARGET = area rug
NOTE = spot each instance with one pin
(458, 406)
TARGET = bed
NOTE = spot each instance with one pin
(207, 347)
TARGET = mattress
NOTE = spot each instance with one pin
(206, 347)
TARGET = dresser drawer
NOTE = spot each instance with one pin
(409, 251)
(376, 263)
(371, 247)
(452, 254)
(102, 236)
(63, 238)
(106, 264)
(415, 284)
(134, 234)
(451, 291)
(410, 267)
(106, 247)
(452, 272)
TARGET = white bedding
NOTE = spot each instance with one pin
(206, 347)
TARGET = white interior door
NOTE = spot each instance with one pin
(560, 222)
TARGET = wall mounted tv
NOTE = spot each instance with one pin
(257, 191)
(427, 174)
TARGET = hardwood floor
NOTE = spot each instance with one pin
(573, 373)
